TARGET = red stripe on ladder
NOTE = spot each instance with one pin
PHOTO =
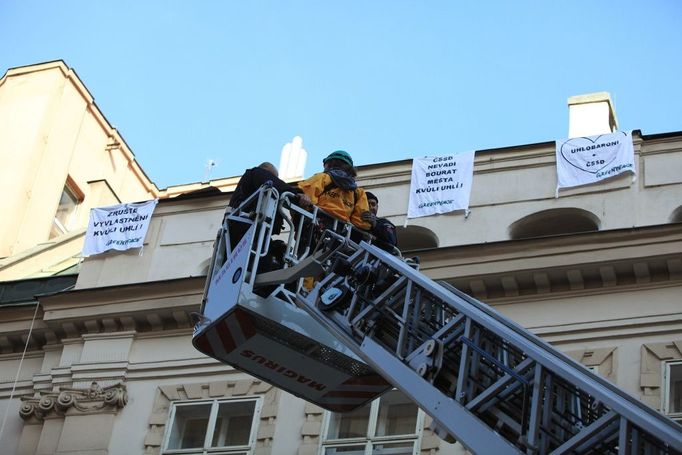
(245, 323)
(225, 337)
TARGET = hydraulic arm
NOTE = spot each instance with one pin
(489, 382)
(372, 319)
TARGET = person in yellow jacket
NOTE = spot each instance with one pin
(336, 192)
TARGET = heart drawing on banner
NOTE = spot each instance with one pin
(590, 154)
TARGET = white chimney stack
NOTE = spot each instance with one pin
(292, 160)
(591, 115)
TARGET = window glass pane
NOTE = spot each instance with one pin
(675, 398)
(351, 424)
(233, 424)
(189, 426)
(400, 448)
(66, 208)
(67, 205)
(397, 415)
(345, 450)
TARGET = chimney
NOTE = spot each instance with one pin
(591, 114)
(292, 160)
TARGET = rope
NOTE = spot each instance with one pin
(16, 378)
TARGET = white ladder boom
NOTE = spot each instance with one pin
(489, 382)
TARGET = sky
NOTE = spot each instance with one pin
(233, 81)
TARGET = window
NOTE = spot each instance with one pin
(593, 368)
(390, 425)
(672, 390)
(554, 222)
(65, 212)
(415, 238)
(218, 426)
(676, 216)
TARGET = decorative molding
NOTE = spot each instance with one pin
(92, 400)
(311, 430)
(553, 267)
(166, 394)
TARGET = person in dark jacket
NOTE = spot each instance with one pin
(256, 177)
(382, 229)
(248, 184)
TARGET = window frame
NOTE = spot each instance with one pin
(593, 368)
(665, 396)
(212, 417)
(370, 439)
(78, 196)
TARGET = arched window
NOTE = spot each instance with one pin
(416, 238)
(202, 268)
(554, 222)
(676, 216)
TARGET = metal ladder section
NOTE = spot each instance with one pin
(484, 379)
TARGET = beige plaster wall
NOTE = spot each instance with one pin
(611, 313)
(180, 237)
(179, 244)
(51, 130)
(511, 184)
(607, 327)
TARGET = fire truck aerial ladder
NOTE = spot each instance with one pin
(372, 321)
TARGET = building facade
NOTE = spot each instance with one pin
(107, 367)
(60, 157)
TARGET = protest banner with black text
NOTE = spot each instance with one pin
(440, 184)
(585, 160)
(118, 227)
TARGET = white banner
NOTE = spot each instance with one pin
(440, 184)
(226, 283)
(118, 227)
(585, 160)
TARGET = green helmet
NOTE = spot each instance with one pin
(340, 155)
